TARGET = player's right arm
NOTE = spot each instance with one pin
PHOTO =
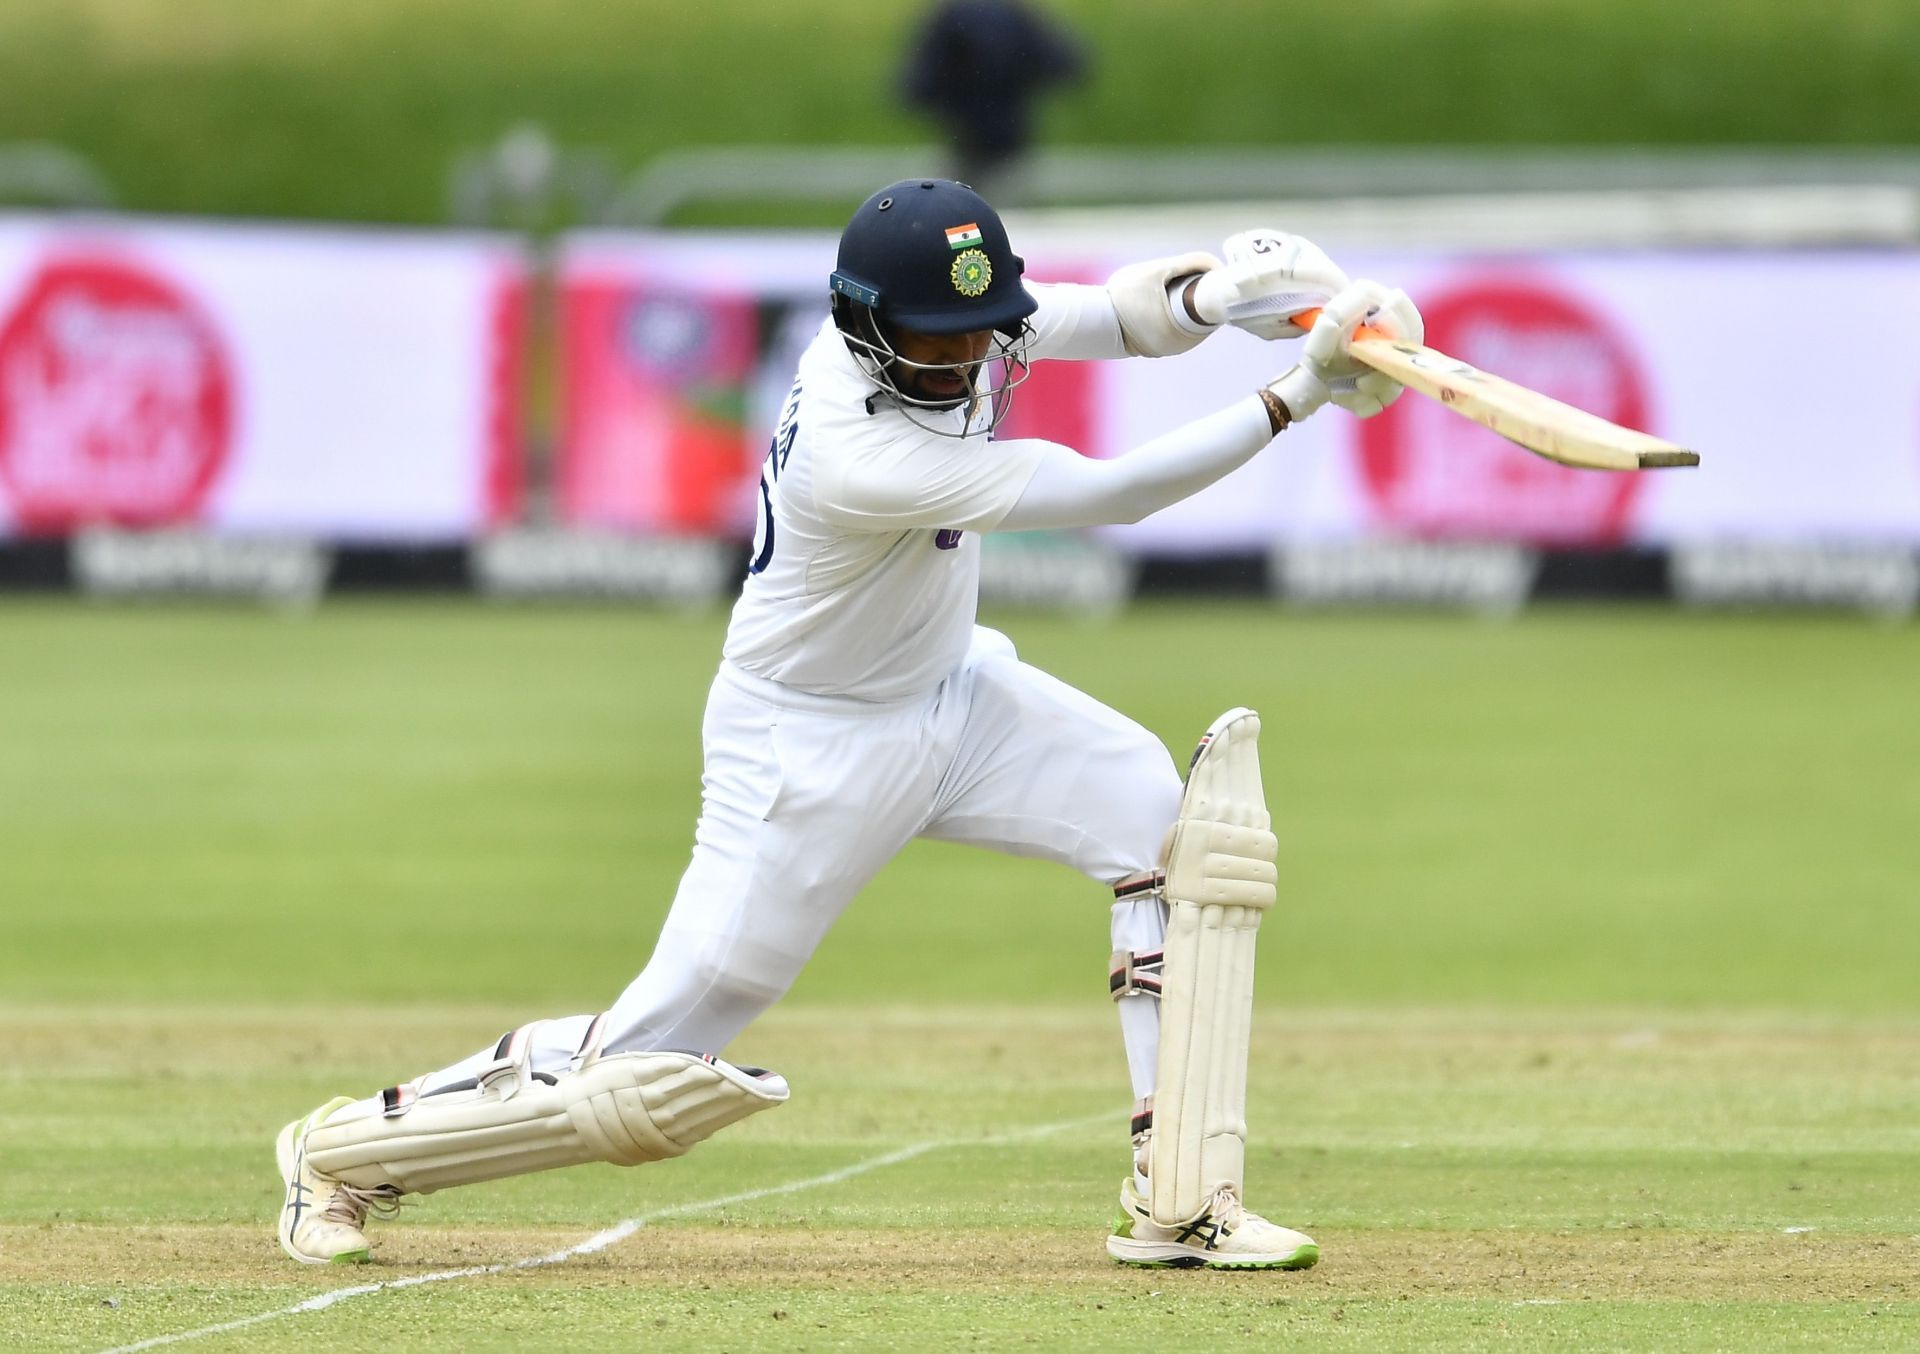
(1071, 490)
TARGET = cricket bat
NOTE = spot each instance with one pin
(1541, 424)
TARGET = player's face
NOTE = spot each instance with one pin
(955, 359)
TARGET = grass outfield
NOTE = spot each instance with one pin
(1588, 1017)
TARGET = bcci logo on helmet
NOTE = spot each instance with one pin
(972, 274)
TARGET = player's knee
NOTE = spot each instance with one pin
(1153, 794)
(1159, 779)
(735, 989)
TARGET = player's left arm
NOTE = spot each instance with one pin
(1075, 322)
(1140, 312)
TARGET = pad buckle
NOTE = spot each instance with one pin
(589, 1050)
(1135, 973)
(511, 1070)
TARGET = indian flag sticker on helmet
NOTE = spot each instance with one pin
(959, 237)
(972, 274)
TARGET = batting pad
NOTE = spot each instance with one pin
(623, 1108)
(1220, 882)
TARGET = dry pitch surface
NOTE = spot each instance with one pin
(1476, 1182)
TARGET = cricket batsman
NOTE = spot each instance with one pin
(859, 706)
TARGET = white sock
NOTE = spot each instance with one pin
(1140, 924)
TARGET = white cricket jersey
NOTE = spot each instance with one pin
(865, 574)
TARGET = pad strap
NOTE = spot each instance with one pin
(590, 1042)
(511, 1070)
(1135, 973)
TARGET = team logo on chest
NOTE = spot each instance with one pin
(972, 273)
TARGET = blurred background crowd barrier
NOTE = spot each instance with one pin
(363, 392)
(565, 389)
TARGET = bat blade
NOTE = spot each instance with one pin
(1540, 423)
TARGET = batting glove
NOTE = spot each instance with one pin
(1268, 277)
(1351, 384)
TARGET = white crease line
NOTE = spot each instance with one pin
(620, 1231)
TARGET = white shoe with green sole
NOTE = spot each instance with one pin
(1226, 1236)
(323, 1221)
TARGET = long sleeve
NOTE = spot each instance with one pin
(1070, 490)
(1075, 321)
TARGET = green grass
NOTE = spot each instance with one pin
(352, 109)
(1584, 808)
(1589, 991)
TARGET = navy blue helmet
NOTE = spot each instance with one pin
(930, 255)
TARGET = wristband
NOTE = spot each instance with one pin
(1301, 390)
(1278, 415)
(1180, 292)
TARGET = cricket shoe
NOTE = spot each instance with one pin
(323, 1221)
(1226, 1236)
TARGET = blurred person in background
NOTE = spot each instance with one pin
(977, 67)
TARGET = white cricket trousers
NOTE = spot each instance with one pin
(806, 797)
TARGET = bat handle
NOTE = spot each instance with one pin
(1305, 319)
